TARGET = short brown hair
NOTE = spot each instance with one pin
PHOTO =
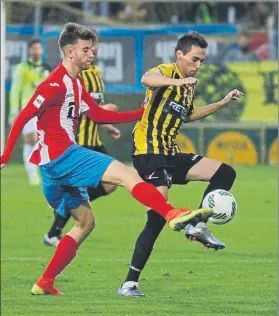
(190, 39)
(72, 32)
(33, 41)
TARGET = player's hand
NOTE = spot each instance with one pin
(110, 107)
(113, 132)
(3, 165)
(233, 95)
(186, 82)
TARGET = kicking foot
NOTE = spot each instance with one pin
(179, 218)
(204, 236)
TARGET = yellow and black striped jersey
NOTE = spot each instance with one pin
(88, 131)
(166, 109)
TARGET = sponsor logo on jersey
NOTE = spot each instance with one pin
(38, 101)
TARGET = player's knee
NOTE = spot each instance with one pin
(225, 175)
(230, 172)
(89, 226)
(108, 188)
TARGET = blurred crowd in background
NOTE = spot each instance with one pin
(251, 15)
(254, 19)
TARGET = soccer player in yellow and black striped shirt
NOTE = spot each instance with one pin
(88, 136)
(169, 103)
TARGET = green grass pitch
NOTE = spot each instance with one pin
(181, 278)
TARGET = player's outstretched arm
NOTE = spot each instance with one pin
(22, 118)
(100, 115)
(204, 111)
(42, 98)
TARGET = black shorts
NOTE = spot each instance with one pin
(100, 149)
(161, 170)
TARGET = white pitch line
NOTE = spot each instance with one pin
(201, 260)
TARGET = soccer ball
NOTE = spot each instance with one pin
(223, 204)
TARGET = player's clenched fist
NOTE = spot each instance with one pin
(186, 82)
(110, 107)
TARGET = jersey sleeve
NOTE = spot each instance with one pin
(45, 96)
(100, 115)
(161, 70)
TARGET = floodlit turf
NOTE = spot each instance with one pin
(181, 278)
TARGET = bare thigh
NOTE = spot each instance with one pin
(203, 170)
(119, 174)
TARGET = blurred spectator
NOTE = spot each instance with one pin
(204, 13)
(257, 15)
(242, 52)
(132, 12)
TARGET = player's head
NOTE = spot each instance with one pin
(76, 42)
(243, 41)
(190, 53)
(35, 48)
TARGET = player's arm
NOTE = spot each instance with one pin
(204, 111)
(100, 115)
(111, 130)
(15, 92)
(156, 77)
(42, 98)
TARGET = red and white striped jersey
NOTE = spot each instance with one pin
(58, 103)
(59, 100)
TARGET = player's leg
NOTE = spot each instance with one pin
(148, 195)
(143, 249)
(218, 174)
(29, 141)
(52, 238)
(221, 176)
(147, 167)
(67, 248)
(154, 171)
(81, 167)
(54, 235)
(102, 189)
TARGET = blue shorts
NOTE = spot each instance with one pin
(65, 178)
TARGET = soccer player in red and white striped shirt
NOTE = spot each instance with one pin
(67, 168)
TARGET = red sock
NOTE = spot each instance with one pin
(64, 254)
(148, 195)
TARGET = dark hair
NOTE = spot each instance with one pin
(72, 32)
(190, 39)
(244, 34)
(33, 41)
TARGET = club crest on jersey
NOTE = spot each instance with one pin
(38, 101)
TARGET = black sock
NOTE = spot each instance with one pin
(58, 224)
(144, 244)
(222, 179)
(95, 193)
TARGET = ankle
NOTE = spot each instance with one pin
(129, 284)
